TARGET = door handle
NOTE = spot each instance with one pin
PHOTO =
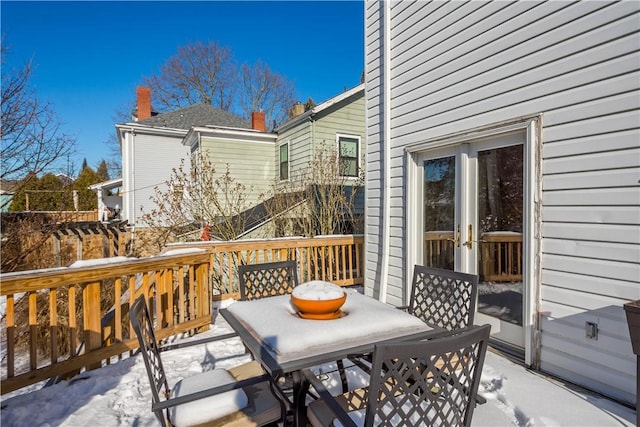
(456, 239)
(469, 242)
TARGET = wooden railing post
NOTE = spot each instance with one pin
(203, 299)
(91, 316)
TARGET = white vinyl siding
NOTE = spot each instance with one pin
(457, 66)
(154, 158)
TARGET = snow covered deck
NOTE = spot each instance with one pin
(119, 394)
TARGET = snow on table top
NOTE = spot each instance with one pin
(318, 290)
(275, 323)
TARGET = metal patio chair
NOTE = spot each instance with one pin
(267, 279)
(443, 298)
(240, 396)
(431, 382)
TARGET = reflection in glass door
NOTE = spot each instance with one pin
(439, 212)
(500, 223)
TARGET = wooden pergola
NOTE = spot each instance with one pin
(88, 228)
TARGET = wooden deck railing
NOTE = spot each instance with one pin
(501, 257)
(500, 254)
(337, 259)
(60, 321)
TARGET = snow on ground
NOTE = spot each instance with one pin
(119, 394)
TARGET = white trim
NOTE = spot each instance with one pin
(386, 155)
(532, 125)
(532, 233)
(480, 132)
(113, 183)
(150, 130)
(320, 107)
(248, 135)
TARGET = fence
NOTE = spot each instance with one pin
(60, 321)
(500, 254)
(337, 259)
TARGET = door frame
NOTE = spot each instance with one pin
(531, 268)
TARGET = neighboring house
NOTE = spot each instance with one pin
(336, 126)
(247, 154)
(260, 159)
(109, 204)
(512, 125)
(7, 188)
(152, 146)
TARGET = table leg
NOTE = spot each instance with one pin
(300, 389)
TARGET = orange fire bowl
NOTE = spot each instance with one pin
(308, 306)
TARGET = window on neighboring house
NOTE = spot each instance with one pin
(348, 155)
(284, 161)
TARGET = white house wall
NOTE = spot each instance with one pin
(463, 65)
(154, 158)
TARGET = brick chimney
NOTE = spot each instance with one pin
(144, 102)
(257, 121)
(296, 110)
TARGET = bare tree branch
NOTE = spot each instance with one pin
(198, 196)
(263, 90)
(32, 140)
(198, 73)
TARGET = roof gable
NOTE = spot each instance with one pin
(336, 101)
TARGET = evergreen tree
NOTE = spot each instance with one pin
(45, 194)
(84, 164)
(87, 198)
(103, 171)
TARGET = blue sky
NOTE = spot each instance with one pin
(90, 56)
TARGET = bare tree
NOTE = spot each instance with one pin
(326, 201)
(32, 139)
(196, 197)
(197, 73)
(208, 73)
(264, 90)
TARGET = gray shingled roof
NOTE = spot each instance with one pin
(196, 115)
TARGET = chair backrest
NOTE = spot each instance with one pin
(443, 298)
(143, 327)
(432, 382)
(267, 279)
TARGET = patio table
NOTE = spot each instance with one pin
(285, 343)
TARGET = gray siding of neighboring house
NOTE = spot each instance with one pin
(347, 120)
(248, 163)
(457, 66)
(300, 148)
(154, 159)
(305, 139)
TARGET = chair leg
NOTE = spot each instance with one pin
(343, 376)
